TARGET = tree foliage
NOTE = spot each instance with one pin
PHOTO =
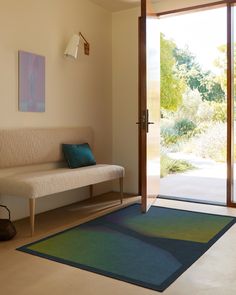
(221, 63)
(180, 70)
(196, 78)
(172, 85)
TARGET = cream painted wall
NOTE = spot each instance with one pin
(125, 85)
(78, 93)
(125, 94)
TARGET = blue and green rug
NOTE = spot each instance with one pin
(150, 250)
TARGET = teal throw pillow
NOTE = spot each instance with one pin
(78, 155)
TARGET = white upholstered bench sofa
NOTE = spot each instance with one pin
(24, 153)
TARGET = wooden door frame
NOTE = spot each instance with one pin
(230, 107)
(142, 104)
(146, 7)
(200, 7)
(230, 91)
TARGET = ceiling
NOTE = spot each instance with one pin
(117, 5)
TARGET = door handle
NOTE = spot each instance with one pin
(149, 123)
(144, 123)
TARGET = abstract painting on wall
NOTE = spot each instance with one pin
(31, 82)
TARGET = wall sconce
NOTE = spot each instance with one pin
(73, 45)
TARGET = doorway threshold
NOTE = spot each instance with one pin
(182, 199)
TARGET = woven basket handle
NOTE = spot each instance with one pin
(9, 213)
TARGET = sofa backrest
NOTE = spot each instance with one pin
(21, 147)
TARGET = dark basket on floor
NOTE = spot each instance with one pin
(7, 228)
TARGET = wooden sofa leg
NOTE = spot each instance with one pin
(91, 191)
(32, 215)
(121, 190)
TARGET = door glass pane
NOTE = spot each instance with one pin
(194, 106)
(153, 105)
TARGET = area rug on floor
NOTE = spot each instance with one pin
(150, 250)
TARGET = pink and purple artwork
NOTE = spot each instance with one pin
(31, 82)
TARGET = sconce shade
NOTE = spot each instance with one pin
(72, 47)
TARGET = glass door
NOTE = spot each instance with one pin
(186, 73)
(153, 108)
(149, 107)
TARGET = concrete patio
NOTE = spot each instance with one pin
(205, 183)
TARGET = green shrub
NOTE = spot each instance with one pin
(219, 112)
(210, 144)
(185, 127)
(169, 166)
(169, 136)
(189, 108)
(204, 113)
(212, 111)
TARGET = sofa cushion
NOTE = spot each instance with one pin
(78, 155)
(41, 183)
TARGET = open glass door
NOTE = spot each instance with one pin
(149, 107)
(149, 102)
